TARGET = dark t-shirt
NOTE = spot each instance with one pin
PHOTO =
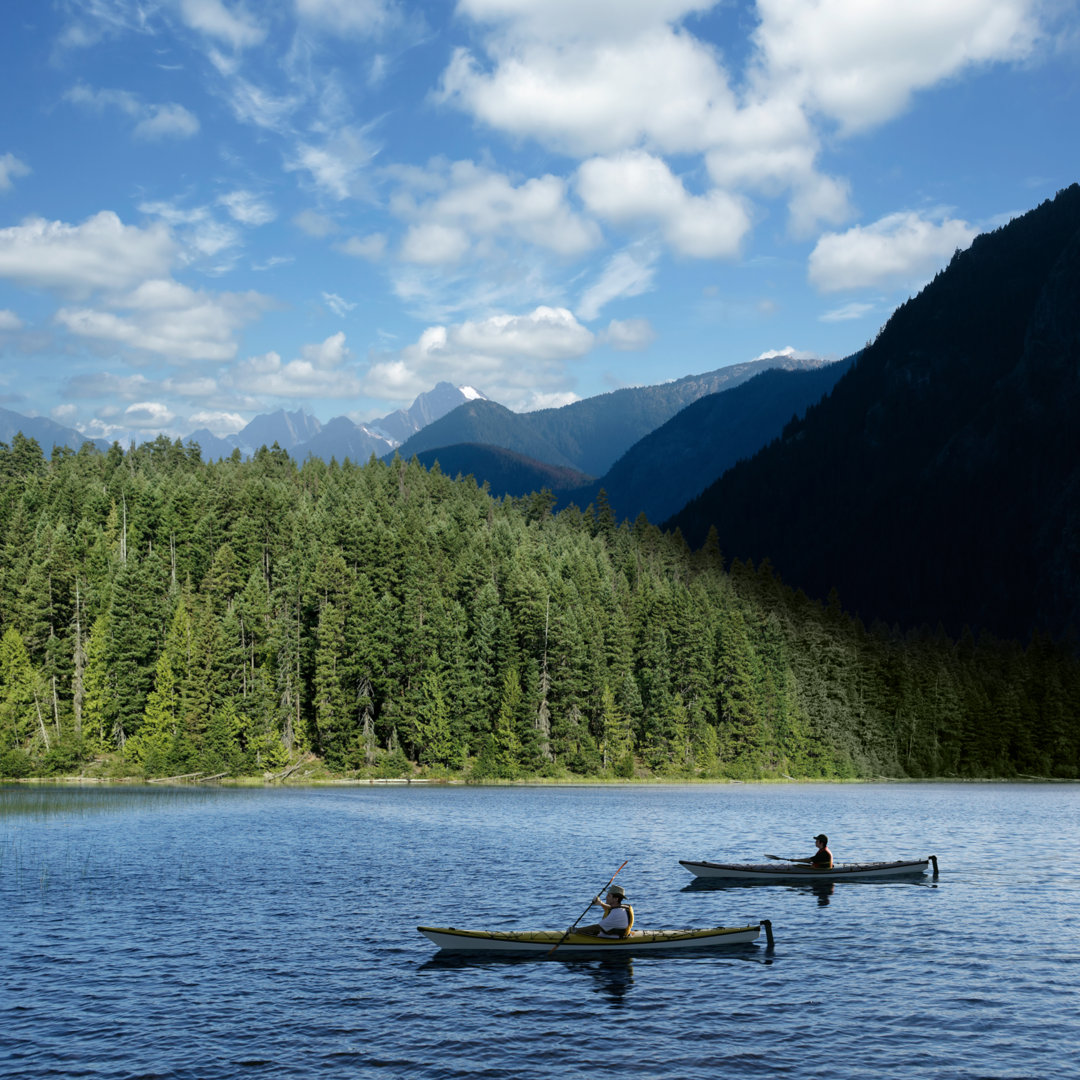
(822, 858)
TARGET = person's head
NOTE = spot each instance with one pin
(821, 840)
(616, 895)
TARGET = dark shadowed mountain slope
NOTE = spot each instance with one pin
(940, 480)
(660, 473)
(596, 432)
(504, 471)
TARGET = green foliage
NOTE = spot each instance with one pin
(225, 618)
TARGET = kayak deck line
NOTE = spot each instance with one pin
(855, 871)
(537, 941)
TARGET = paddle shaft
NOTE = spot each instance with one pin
(585, 912)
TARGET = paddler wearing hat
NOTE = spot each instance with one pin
(822, 858)
(618, 916)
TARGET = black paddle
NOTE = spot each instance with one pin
(584, 913)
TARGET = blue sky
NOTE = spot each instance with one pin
(211, 209)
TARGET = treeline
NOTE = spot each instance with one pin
(161, 615)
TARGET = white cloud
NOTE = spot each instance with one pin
(859, 61)
(167, 122)
(167, 319)
(431, 244)
(628, 273)
(149, 416)
(628, 335)
(901, 250)
(217, 423)
(247, 208)
(154, 121)
(663, 88)
(847, 313)
(788, 352)
(322, 370)
(338, 305)
(519, 360)
(485, 204)
(233, 27)
(315, 224)
(101, 253)
(11, 168)
(364, 247)
(9, 320)
(346, 17)
(338, 166)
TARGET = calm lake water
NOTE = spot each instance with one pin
(195, 933)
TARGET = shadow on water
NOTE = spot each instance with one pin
(611, 976)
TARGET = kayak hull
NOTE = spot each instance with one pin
(799, 872)
(538, 942)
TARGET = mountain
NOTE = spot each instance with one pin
(504, 471)
(342, 439)
(939, 482)
(490, 424)
(426, 409)
(288, 429)
(47, 433)
(588, 435)
(662, 472)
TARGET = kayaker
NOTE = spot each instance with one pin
(617, 920)
(822, 858)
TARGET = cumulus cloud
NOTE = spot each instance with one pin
(149, 416)
(859, 62)
(9, 321)
(432, 243)
(216, 422)
(627, 273)
(637, 186)
(101, 253)
(903, 249)
(464, 199)
(167, 319)
(322, 370)
(516, 358)
(10, 169)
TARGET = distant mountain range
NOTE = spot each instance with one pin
(302, 435)
(590, 435)
(47, 433)
(939, 482)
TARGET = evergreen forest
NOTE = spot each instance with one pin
(161, 615)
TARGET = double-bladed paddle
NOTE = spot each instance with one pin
(585, 912)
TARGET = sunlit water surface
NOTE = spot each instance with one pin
(197, 933)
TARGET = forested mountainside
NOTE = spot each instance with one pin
(504, 471)
(164, 616)
(940, 480)
(662, 472)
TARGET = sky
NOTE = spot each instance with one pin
(211, 209)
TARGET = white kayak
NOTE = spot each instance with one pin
(543, 941)
(778, 871)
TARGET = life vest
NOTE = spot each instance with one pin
(629, 924)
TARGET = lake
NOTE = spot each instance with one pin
(233, 932)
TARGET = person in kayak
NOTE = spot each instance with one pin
(618, 917)
(822, 858)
